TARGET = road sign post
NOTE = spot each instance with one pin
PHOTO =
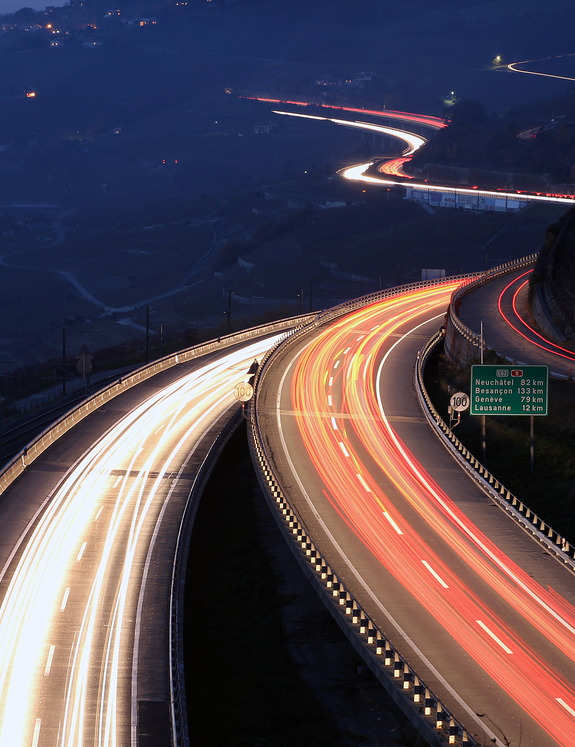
(509, 390)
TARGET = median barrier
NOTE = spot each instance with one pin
(555, 543)
(437, 725)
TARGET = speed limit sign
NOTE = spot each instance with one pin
(459, 401)
(243, 392)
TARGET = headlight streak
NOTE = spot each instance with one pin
(413, 142)
(95, 704)
(535, 686)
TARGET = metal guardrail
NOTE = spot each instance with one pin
(417, 700)
(485, 277)
(558, 545)
(16, 466)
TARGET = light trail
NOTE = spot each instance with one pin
(413, 142)
(86, 698)
(377, 519)
(548, 346)
(435, 123)
(513, 67)
(395, 168)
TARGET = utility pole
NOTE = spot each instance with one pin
(161, 340)
(301, 301)
(147, 334)
(63, 360)
(483, 422)
(229, 311)
(310, 294)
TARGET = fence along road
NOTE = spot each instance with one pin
(483, 614)
(90, 514)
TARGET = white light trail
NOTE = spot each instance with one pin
(31, 613)
(413, 142)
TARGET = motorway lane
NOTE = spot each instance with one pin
(76, 603)
(421, 566)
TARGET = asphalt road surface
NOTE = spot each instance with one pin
(479, 609)
(86, 552)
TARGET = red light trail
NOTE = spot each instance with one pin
(335, 396)
(435, 123)
(548, 346)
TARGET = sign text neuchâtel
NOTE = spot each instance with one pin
(505, 390)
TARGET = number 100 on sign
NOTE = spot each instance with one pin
(509, 390)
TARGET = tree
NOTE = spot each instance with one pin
(25, 16)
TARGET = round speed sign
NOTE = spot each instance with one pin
(459, 401)
(243, 392)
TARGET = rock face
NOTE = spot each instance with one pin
(553, 281)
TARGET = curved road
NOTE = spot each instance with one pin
(478, 608)
(508, 327)
(86, 553)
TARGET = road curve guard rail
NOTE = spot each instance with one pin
(485, 277)
(423, 708)
(554, 542)
(16, 466)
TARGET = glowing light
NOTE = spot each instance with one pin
(95, 695)
(380, 524)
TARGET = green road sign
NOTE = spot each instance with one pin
(509, 390)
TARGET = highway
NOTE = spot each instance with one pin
(87, 546)
(508, 326)
(479, 609)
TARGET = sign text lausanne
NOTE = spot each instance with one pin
(509, 390)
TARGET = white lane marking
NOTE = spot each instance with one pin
(346, 351)
(392, 522)
(65, 599)
(342, 447)
(565, 706)
(334, 424)
(49, 660)
(360, 338)
(81, 551)
(36, 736)
(363, 482)
(117, 482)
(434, 573)
(374, 327)
(330, 381)
(456, 520)
(495, 638)
(99, 512)
(353, 570)
(329, 400)
(336, 364)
